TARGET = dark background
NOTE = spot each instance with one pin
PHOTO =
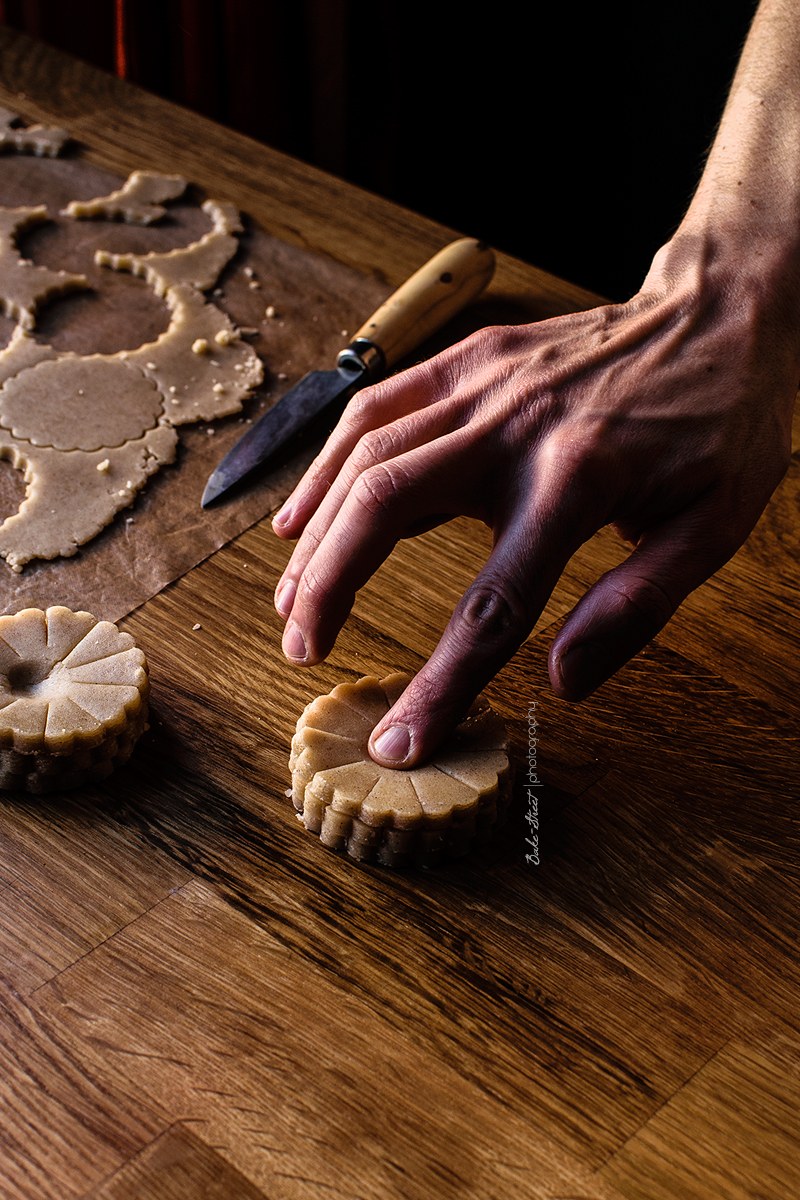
(571, 135)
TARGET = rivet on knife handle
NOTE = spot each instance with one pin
(447, 283)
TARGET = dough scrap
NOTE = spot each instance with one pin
(73, 698)
(138, 201)
(36, 139)
(22, 352)
(396, 818)
(191, 381)
(69, 501)
(87, 431)
(24, 286)
(198, 264)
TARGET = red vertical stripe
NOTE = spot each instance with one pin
(120, 44)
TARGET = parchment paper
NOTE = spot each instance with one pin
(165, 532)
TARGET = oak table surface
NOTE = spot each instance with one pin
(199, 1001)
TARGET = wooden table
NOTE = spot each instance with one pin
(200, 1001)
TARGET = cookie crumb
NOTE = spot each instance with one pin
(200, 346)
(196, 627)
(104, 467)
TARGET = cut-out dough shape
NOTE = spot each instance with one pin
(81, 403)
(73, 698)
(36, 139)
(396, 818)
(88, 431)
(138, 202)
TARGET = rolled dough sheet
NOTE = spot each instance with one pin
(165, 532)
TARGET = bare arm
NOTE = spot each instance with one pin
(668, 417)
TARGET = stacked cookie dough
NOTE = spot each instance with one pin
(73, 699)
(396, 818)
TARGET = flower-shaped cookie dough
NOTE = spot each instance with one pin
(88, 431)
(73, 698)
(396, 818)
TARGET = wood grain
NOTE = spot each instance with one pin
(176, 1165)
(198, 1000)
(745, 1098)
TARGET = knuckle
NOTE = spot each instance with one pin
(491, 614)
(580, 458)
(378, 488)
(312, 588)
(493, 341)
(374, 447)
(649, 599)
(361, 405)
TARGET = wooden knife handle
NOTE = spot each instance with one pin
(435, 293)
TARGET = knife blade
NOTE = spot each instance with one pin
(435, 293)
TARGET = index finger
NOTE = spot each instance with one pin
(371, 408)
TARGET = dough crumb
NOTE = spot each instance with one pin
(224, 337)
(104, 467)
(196, 627)
(219, 388)
(271, 311)
(200, 346)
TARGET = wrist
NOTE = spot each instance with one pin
(747, 277)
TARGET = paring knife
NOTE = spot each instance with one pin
(435, 293)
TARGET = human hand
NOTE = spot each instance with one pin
(668, 417)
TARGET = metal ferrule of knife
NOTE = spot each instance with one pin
(435, 293)
(363, 354)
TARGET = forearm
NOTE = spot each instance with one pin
(747, 205)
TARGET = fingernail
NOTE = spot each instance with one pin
(284, 597)
(294, 644)
(583, 668)
(283, 515)
(393, 744)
